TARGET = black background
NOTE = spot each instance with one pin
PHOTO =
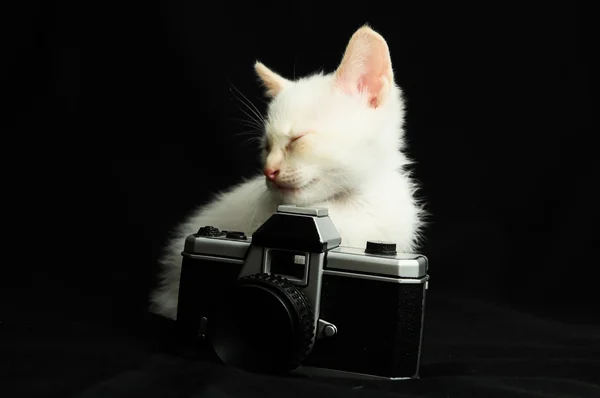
(121, 117)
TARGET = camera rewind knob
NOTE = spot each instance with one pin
(381, 248)
(208, 231)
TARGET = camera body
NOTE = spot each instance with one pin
(292, 299)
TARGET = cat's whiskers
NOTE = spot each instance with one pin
(249, 141)
(251, 107)
(254, 114)
(242, 94)
(253, 121)
(350, 196)
(255, 136)
(334, 190)
(327, 191)
(252, 132)
(250, 123)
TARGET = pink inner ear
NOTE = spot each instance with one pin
(354, 86)
(372, 84)
(363, 84)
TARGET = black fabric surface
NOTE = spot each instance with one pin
(471, 349)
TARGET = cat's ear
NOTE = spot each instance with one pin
(272, 81)
(366, 67)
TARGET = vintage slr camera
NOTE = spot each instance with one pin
(291, 299)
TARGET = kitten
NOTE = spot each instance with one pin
(330, 140)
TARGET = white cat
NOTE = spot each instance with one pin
(330, 140)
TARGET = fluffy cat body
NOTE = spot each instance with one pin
(332, 140)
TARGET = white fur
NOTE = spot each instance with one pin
(349, 160)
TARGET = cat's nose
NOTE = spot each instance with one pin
(271, 173)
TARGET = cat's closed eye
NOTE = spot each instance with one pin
(294, 139)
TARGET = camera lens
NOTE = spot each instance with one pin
(264, 325)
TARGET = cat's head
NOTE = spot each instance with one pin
(327, 135)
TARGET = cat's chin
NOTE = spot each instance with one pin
(289, 193)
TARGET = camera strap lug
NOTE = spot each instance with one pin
(325, 329)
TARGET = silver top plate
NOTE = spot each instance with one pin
(402, 265)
